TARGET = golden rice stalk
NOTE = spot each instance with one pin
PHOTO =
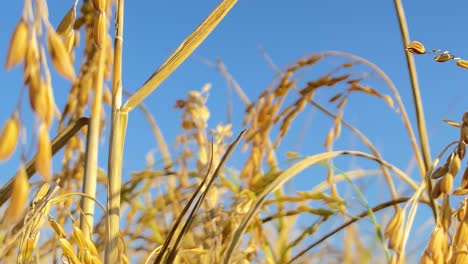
(27, 248)
(99, 5)
(57, 228)
(100, 28)
(19, 197)
(59, 55)
(18, 45)
(9, 137)
(416, 47)
(66, 25)
(44, 153)
(68, 251)
(78, 237)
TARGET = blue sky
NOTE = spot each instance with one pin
(286, 30)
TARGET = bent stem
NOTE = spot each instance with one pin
(424, 143)
(116, 142)
(92, 150)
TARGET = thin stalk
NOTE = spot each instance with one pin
(92, 151)
(404, 114)
(424, 143)
(349, 222)
(116, 145)
(166, 155)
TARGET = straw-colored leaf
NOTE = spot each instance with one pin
(275, 184)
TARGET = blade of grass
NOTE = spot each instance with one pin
(191, 217)
(180, 54)
(283, 177)
(165, 246)
(363, 199)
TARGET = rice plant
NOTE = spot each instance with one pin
(194, 205)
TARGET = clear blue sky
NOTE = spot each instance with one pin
(286, 30)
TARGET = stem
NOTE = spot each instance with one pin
(424, 143)
(92, 150)
(116, 142)
(349, 222)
